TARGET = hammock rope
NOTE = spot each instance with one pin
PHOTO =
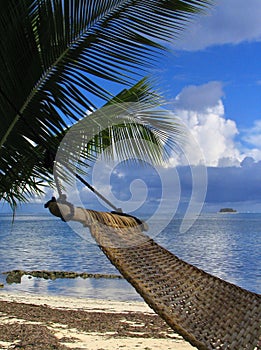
(84, 182)
(208, 312)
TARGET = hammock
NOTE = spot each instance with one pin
(207, 311)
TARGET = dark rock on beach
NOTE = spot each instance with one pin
(15, 276)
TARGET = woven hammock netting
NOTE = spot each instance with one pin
(207, 311)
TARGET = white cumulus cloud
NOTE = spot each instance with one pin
(202, 110)
(201, 97)
(227, 22)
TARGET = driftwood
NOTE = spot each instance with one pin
(208, 312)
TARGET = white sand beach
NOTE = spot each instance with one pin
(136, 321)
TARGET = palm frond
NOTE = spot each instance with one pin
(130, 126)
(126, 128)
(54, 55)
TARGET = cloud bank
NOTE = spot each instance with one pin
(236, 186)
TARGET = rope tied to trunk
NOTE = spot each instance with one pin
(66, 211)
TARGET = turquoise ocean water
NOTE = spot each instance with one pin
(225, 245)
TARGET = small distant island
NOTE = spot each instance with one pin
(227, 210)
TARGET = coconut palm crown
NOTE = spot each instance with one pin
(55, 57)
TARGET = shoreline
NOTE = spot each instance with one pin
(43, 322)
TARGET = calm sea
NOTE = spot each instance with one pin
(225, 245)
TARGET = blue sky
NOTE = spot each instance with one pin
(211, 79)
(214, 70)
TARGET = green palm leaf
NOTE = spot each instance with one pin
(134, 117)
(53, 55)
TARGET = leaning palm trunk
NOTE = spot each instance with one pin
(208, 312)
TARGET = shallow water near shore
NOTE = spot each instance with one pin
(225, 245)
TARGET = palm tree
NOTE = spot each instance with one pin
(55, 56)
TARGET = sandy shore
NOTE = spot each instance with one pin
(34, 322)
